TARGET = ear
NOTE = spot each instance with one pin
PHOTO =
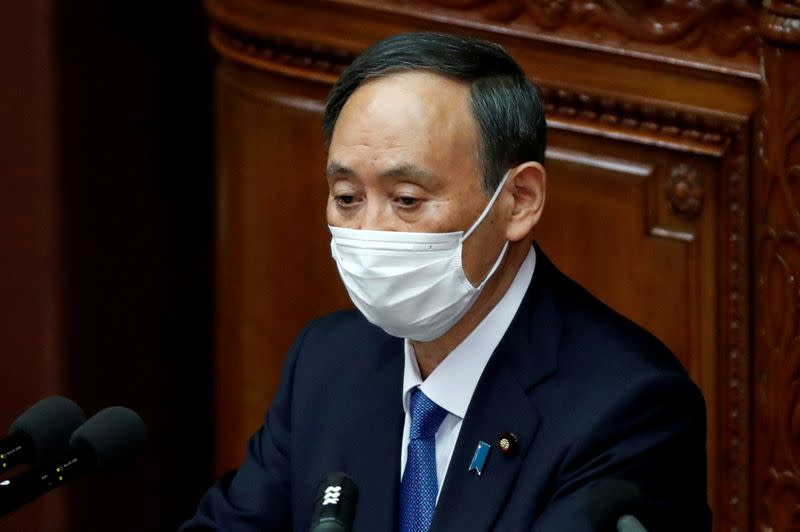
(528, 183)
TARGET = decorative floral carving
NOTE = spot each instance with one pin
(780, 500)
(778, 274)
(727, 27)
(684, 191)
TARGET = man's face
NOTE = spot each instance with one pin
(404, 156)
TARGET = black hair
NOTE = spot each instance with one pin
(505, 103)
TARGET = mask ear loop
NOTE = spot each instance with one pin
(483, 215)
(489, 206)
(494, 268)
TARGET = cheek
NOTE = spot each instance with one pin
(332, 214)
(440, 217)
(455, 211)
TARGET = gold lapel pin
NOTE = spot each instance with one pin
(509, 444)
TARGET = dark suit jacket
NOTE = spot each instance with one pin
(589, 394)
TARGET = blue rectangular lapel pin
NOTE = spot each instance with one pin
(479, 458)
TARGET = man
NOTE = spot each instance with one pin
(466, 338)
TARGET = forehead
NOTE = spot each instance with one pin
(421, 115)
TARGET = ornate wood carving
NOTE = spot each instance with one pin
(685, 191)
(701, 132)
(626, 115)
(777, 260)
(728, 27)
(734, 373)
(683, 29)
(782, 24)
(304, 59)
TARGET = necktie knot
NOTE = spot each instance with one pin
(426, 416)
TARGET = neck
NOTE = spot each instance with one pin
(430, 354)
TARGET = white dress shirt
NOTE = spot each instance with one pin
(454, 380)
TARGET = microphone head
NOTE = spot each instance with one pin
(335, 504)
(48, 425)
(115, 436)
(610, 499)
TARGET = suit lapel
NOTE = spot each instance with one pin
(525, 356)
(373, 453)
(470, 501)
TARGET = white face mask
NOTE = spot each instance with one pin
(412, 285)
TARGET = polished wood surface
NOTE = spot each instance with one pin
(651, 111)
(274, 267)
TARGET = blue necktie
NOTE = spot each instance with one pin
(419, 487)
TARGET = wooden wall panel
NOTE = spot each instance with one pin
(135, 175)
(106, 243)
(609, 200)
(274, 267)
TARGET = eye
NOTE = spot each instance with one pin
(345, 200)
(407, 201)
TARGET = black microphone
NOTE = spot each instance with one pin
(41, 431)
(110, 439)
(335, 504)
(612, 506)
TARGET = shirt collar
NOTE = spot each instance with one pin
(454, 380)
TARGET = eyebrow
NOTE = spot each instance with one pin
(335, 168)
(412, 172)
(408, 171)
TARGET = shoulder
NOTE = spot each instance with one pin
(606, 362)
(616, 386)
(596, 336)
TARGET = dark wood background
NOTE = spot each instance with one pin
(106, 235)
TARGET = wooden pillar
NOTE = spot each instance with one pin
(776, 474)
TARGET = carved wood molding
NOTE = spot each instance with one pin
(780, 22)
(624, 117)
(303, 59)
(721, 136)
(687, 129)
(727, 27)
(734, 372)
(777, 260)
(685, 30)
